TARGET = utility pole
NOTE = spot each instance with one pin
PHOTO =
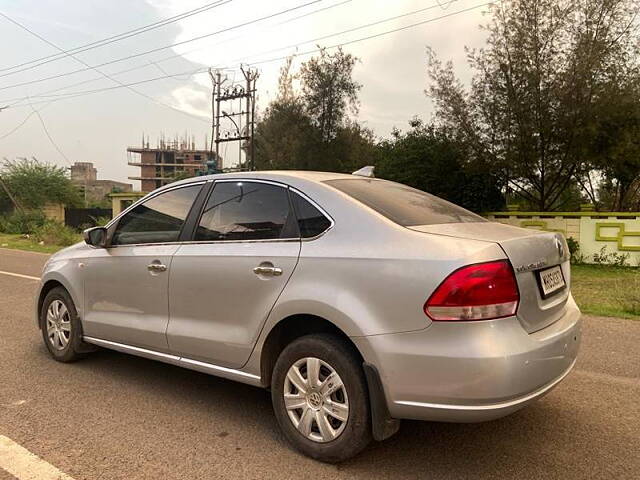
(243, 96)
(251, 76)
(216, 80)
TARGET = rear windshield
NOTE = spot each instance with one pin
(402, 204)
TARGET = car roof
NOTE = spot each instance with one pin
(293, 177)
(277, 174)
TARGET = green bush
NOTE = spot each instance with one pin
(55, 233)
(22, 222)
(574, 251)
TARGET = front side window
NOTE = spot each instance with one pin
(246, 211)
(403, 205)
(158, 220)
(311, 222)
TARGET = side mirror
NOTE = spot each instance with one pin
(96, 236)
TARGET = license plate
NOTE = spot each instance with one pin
(550, 280)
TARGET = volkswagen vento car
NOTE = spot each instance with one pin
(357, 301)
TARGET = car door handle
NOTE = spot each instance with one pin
(274, 271)
(156, 267)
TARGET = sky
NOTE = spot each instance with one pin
(98, 127)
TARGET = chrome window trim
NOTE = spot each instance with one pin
(231, 180)
(202, 242)
(151, 195)
(146, 198)
(227, 180)
(253, 180)
(320, 209)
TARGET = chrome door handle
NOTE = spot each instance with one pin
(274, 271)
(156, 267)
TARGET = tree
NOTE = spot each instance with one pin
(531, 110)
(329, 91)
(428, 158)
(34, 183)
(616, 150)
(309, 128)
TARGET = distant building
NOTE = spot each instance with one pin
(85, 176)
(168, 161)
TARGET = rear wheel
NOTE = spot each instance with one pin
(320, 398)
(60, 326)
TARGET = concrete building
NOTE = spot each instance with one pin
(161, 165)
(85, 176)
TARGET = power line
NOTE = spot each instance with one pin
(46, 131)
(65, 96)
(111, 39)
(25, 120)
(16, 100)
(40, 37)
(372, 24)
(200, 37)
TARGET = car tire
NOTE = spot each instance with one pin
(61, 328)
(339, 363)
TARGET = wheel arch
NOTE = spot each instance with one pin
(49, 285)
(289, 329)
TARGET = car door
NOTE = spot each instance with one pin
(224, 284)
(126, 283)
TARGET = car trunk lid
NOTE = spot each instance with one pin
(530, 252)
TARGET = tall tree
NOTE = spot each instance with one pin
(530, 111)
(329, 90)
(615, 150)
(310, 128)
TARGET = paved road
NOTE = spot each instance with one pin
(114, 416)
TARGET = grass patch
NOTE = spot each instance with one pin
(22, 242)
(606, 290)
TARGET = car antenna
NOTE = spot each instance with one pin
(365, 171)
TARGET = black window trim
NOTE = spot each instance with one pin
(197, 208)
(233, 180)
(289, 188)
(113, 224)
(319, 208)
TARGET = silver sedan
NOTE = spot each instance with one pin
(357, 301)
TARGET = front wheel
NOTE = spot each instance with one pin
(320, 398)
(60, 326)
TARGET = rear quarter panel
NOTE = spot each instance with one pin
(368, 275)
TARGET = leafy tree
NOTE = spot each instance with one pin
(309, 129)
(429, 159)
(329, 90)
(283, 137)
(616, 150)
(33, 183)
(531, 111)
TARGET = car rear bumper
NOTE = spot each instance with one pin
(472, 371)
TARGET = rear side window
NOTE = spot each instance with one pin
(158, 220)
(402, 204)
(245, 211)
(311, 222)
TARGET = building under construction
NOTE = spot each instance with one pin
(170, 160)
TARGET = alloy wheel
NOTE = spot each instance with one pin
(58, 325)
(316, 399)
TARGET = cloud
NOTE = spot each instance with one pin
(193, 100)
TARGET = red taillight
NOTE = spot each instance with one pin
(476, 292)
